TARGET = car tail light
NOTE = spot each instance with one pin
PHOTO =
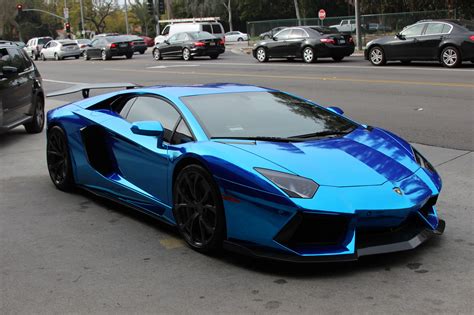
(351, 40)
(113, 45)
(327, 40)
(199, 44)
(471, 37)
(83, 46)
(222, 42)
(132, 43)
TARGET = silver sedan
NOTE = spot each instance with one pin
(60, 49)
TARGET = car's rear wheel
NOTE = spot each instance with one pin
(450, 57)
(37, 123)
(308, 55)
(377, 56)
(129, 55)
(198, 209)
(104, 55)
(86, 56)
(214, 56)
(187, 54)
(43, 57)
(240, 39)
(262, 54)
(58, 159)
(157, 54)
(56, 57)
(337, 58)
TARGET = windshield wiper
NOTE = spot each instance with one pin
(262, 138)
(323, 134)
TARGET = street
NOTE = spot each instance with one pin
(76, 253)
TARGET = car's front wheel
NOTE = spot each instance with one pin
(85, 56)
(198, 209)
(104, 55)
(157, 54)
(308, 55)
(43, 57)
(450, 57)
(56, 57)
(187, 54)
(58, 159)
(262, 54)
(377, 56)
(37, 123)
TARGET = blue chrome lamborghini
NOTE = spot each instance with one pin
(248, 168)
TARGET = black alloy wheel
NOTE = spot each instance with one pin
(58, 160)
(198, 209)
(37, 123)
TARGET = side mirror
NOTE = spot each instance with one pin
(9, 71)
(400, 36)
(336, 110)
(166, 42)
(148, 128)
(275, 38)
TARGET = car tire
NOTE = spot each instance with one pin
(214, 56)
(103, 55)
(240, 39)
(261, 54)
(58, 159)
(77, 57)
(43, 57)
(157, 54)
(198, 209)
(450, 57)
(308, 55)
(129, 56)
(337, 58)
(56, 57)
(377, 56)
(142, 52)
(85, 56)
(36, 125)
(187, 54)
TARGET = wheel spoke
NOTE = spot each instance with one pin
(207, 227)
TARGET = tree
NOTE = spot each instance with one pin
(140, 11)
(227, 4)
(97, 11)
(297, 9)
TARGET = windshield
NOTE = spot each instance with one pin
(83, 41)
(263, 114)
(201, 35)
(324, 29)
(44, 40)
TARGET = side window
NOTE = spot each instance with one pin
(173, 38)
(126, 108)
(446, 29)
(207, 28)
(297, 33)
(216, 29)
(26, 60)
(17, 59)
(180, 37)
(414, 30)
(94, 43)
(152, 108)
(166, 30)
(283, 34)
(5, 59)
(434, 28)
(182, 134)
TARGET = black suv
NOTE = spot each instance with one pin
(21, 92)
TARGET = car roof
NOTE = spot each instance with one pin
(203, 89)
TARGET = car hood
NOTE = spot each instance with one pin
(361, 158)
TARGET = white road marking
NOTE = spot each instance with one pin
(172, 66)
(63, 82)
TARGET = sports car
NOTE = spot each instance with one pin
(248, 168)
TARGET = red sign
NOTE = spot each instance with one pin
(322, 14)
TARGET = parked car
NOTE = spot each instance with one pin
(21, 90)
(138, 43)
(33, 46)
(448, 42)
(236, 36)
(106, 47)
(150, 42)
(212, 27)
(307, 42)
(189, 45)
(345, 26)
(82, 43)
(248, 168)
(60, 49)
(270, 33)
(376, 27)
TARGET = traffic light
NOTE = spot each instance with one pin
(150, 7)
(19, 8)
(67, 26)
(161, 6)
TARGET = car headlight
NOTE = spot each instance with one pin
(294, 186)
(422, 161)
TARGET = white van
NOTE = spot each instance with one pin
(210, 25)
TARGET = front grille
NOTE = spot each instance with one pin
(306, 230)
(427, 208)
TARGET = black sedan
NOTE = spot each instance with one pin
(448, 42)
(187, 45)
(106, 47)
(308, 42)
(138, 44)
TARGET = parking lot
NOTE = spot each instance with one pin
(76, 253)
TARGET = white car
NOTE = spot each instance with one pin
(177, 26)
(60, 49)
(236, 36)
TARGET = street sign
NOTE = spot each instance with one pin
(66, 13)
(322, 14)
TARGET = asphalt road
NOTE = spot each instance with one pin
(74, 253)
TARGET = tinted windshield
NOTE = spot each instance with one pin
(42, 41)
(324, 30)
(262, 114)
(112, 39)
(201, 35)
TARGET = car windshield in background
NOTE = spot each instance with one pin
(112, 39)
(264, 114)
(324, 30)
(201, 35)
(42, 41)
(83, 41)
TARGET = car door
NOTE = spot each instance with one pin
(295, 40)
(168, 48)
(431, 39)
(47, 50)
(277, 47)
(9, 91)
(405, 46)
(94, 49)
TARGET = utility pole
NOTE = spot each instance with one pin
(126, 18)
(297, 9)
(157, 16)
(83, 32)
(358, 33)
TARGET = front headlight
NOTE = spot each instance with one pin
(294, 186)
(422, 161)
